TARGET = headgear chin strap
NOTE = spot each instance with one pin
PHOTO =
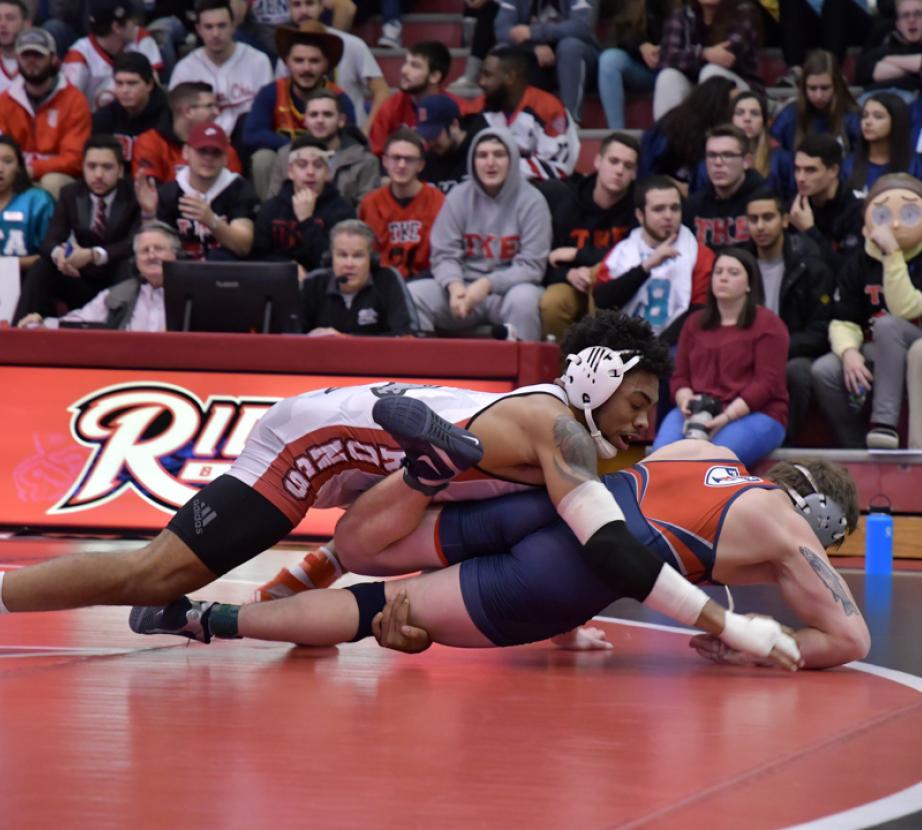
(825, 516)
(592, 376)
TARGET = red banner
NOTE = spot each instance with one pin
(106, 449)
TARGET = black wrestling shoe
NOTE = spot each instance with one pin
(436, 450)
(183, 617)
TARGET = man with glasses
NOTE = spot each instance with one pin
(717, 214)
(157, 153)
(401, 213)
(135, 304)
(295, 224)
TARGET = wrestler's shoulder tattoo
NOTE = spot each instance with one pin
(577, 450)
(830, 579)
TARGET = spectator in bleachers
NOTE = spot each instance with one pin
(114, 30)
(88, 243)
(824, 104)
(448, 137)
(356, 171)
(884, 146)
(140, 104)
(703, 39)
(25, 211)
(235, 71)
(718, 212)
(630, 52)
(277, 116)
(294, 224)
(391, 26)
(798, 287)
(897, 62)
(659, 272)
(136, 303)
(402, 212)
(546, 136)
(865, 332)
(65, 21)
(14, 17)
(424, 72)
(559, 35)
(490, 246)
(824, 208)
(53, 130)
(896, 215)
(914, 394)
(674, 145)
(357, 73)
(589, 217)
(750, 114)
(211, 207)
(483, 40)
(735, 350)
(806, 24)
(158, 152)
(356, 294)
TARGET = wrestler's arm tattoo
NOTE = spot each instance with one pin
(577, 451)
(830, 579)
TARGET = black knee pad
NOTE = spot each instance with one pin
(371, 600)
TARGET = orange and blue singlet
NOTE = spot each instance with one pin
(522, 573)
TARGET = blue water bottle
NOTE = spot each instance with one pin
(878, 545)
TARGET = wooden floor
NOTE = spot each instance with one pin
(104, 729)
(907, 538)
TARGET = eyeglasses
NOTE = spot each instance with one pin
(403, 159)
(724, 158)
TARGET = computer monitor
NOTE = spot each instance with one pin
(232, 296)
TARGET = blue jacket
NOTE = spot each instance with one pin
(784, 127)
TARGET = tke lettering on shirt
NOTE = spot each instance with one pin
(491, 247)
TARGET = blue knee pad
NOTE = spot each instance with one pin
(478, 528)
(370, 598)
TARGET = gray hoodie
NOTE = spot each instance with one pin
(506, 238)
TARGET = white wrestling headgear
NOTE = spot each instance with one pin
(825, 517)
(592, 376)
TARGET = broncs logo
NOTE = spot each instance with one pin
(726, 476)
(156, 439)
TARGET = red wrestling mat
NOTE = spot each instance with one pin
(101, 729)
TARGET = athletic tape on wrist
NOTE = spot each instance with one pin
(588, 508)
(751, 635)
(3, 608)
(674, 596)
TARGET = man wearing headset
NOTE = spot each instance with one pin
(135, 304)
(355, 294)
(528, 438)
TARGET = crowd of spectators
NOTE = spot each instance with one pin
(777, 250)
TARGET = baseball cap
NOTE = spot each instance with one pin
(35, 40)
(110, 11)
(208, 135)
(434, 113)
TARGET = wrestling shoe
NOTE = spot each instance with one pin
(183, 617)
(436, 450)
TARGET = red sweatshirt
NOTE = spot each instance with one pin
(730, 362)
